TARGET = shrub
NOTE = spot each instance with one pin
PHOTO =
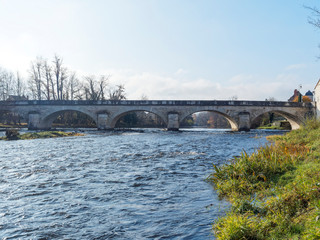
(12, 134)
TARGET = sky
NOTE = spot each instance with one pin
(170, 49)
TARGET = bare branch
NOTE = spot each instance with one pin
(315, 19)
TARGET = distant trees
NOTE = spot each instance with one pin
(10, 84)
(95, 89)
(99, 89)
(49, 81)
(35, 80)
(117, 93)
(73, 119)
(303, 99)
(52, 80)
(210, 120)
(271, 99)
(74, 87)
(306, 99)
(140, 119)
(234, 98)
(188, 121)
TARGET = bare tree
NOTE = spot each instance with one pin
(103, 83)
(234, 97)
(315, 19)
(19, 86)
(48, 83)
(53, 81)
(271, 99)
(117, 93)
(7, 84)
(95, 89)
(90, 88)
(73, 87)
(3, 82)
(35, 80)
(11, 84)
(60, 74)
(144, 97)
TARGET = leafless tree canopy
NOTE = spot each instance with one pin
(11, 84)
(117, 93)
(52, 80)
(94, 88)
(315, 18)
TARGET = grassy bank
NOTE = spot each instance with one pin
(44, 134)
(22, 125)
(277, 125)
(272, 127)
(274, 192)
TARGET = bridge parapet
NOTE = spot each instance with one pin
(240, 114)
(160, 103)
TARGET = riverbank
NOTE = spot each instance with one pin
(274, 192)
(21, 125)
(272, 127)
(277, 125)
(42, 134)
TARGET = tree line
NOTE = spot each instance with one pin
(52, 80)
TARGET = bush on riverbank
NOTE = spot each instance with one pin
(12, 134)
(275, 192)
(43, 134)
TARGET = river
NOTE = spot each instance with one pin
(116, 185)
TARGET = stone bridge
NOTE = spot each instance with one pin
(240, 114)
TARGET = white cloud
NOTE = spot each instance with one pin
(241, 78)
(181, 71)
(170, 87)
(180, 86)
(296, 66)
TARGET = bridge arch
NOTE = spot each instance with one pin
(49, 118)
(294, 120)
(233, 123)
(116, 118)
(105, 113)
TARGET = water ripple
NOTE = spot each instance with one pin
(144, 185)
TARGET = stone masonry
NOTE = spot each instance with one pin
(240, 114)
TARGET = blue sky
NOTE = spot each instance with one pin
(170, 49)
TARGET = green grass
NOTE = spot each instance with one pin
(274, 192)
(3, 125)
(44, 134)
(272, 127)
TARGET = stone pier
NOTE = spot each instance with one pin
(240, 114)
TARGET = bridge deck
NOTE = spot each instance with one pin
(160, 103)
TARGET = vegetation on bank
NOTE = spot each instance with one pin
(274, 192)
(272, 127)
(11, 125)
(13, 134)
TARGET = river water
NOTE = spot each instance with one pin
(119, 185)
